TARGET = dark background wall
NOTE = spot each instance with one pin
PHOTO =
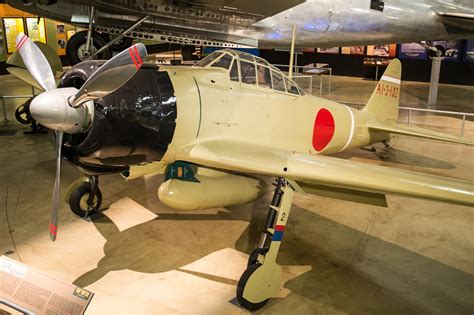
(452, 72)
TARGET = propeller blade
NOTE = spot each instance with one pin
(111, 76)
(35, 62)
(53, 224)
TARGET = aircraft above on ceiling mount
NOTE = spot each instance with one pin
(247, 23)
(212, 126)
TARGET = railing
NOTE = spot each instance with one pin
(323, 70)
(5, 97)
(414, 109)
(303, 76)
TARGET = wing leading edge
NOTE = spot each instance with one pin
(318, 170)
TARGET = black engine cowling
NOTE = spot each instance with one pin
(132, 125)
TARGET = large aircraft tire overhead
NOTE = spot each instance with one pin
(75, 49)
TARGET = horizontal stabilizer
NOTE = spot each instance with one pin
(418, 132)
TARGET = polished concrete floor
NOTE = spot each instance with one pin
(140, 257)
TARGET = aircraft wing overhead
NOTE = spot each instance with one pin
(457, 19)
(261, 9)
(316, 172)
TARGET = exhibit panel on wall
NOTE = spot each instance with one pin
(13, 27)
(450, 48)
(469, 53)
(412, 51)
(354, 50)
(329, 50)
(36, 29)
(382, 50)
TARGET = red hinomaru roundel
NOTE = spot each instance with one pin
(323, 130)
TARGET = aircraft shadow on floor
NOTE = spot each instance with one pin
(351, 271)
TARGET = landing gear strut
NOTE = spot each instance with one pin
(262, 278)
(85, 197)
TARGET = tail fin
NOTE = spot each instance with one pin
(385, 98)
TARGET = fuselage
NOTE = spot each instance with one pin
(159, 112)
(320, 23)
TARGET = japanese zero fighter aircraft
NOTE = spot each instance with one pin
(210, 127)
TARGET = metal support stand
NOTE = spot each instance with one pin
(119, 37)
(434, 81)
(94, 180)
(89, 30)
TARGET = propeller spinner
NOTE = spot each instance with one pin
(60, 109)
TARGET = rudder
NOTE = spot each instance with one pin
(386, 96)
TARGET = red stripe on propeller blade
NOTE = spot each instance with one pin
(22, 41)
(130, 51)
(139, 59)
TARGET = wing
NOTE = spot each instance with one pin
(241, 12)
(324, 171)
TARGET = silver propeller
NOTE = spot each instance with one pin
(52, 108)
(35, 62)
(121, 68)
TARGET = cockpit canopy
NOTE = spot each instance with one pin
(249, 69)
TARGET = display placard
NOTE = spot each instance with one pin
(36, 29)
(469, 54)
(13, 27)
(412, 51)
(382, 50)
(29, 291)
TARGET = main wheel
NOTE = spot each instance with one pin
(241, 286)
(76, 48)
(79, 197)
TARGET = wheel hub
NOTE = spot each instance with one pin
(84, 55)
(86, 207)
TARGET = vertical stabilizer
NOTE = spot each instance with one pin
(383, 103)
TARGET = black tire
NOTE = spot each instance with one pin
(78, 40)
(241, 286)
(22, 114)
(78, 200)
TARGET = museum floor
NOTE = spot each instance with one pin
(140, 257)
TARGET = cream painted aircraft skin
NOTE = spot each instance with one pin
(231, 125)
